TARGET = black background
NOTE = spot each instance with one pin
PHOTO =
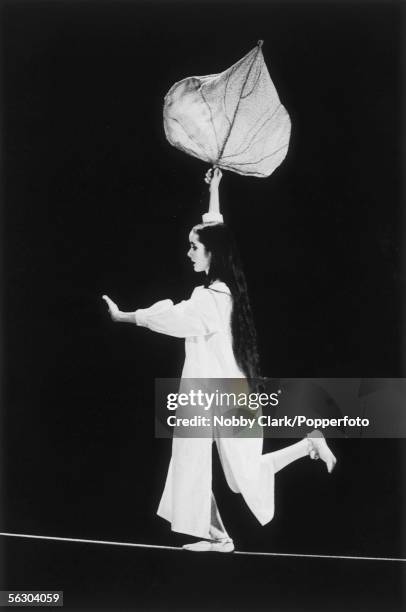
(96, 201)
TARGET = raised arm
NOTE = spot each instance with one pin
(213, 178)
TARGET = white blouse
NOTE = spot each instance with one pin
(204, 322)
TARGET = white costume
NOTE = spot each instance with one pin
(204, 322)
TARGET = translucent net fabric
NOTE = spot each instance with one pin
(233, 119)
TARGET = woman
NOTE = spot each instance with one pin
(220, 342)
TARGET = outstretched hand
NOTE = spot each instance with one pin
(213, 177)
(113, 308)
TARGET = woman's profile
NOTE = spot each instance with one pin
(220, 342)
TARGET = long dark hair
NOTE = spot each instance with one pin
(225, 265)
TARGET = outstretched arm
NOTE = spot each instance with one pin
(213, 178)
(197, 316)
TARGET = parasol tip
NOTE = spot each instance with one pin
(260, 43)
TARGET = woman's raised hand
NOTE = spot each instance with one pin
(213, 177)
(113, 308)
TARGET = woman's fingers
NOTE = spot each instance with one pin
(213, 175)
(208, 176)
(111, 305)
(217, 174)
(114, 310)
(107, 300)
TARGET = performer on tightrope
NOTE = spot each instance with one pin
(220, 342)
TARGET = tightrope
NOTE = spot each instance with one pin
(237, 552)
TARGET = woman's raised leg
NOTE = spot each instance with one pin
(283, 457)
(313, 445)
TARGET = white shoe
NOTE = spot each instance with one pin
(318, 447)
(222, 546)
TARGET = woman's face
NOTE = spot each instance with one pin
(198, 254)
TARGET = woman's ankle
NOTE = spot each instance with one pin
(219, 536)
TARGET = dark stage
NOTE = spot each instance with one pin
(111, 578)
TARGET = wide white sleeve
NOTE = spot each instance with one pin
(197, 316)
(212, 217)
